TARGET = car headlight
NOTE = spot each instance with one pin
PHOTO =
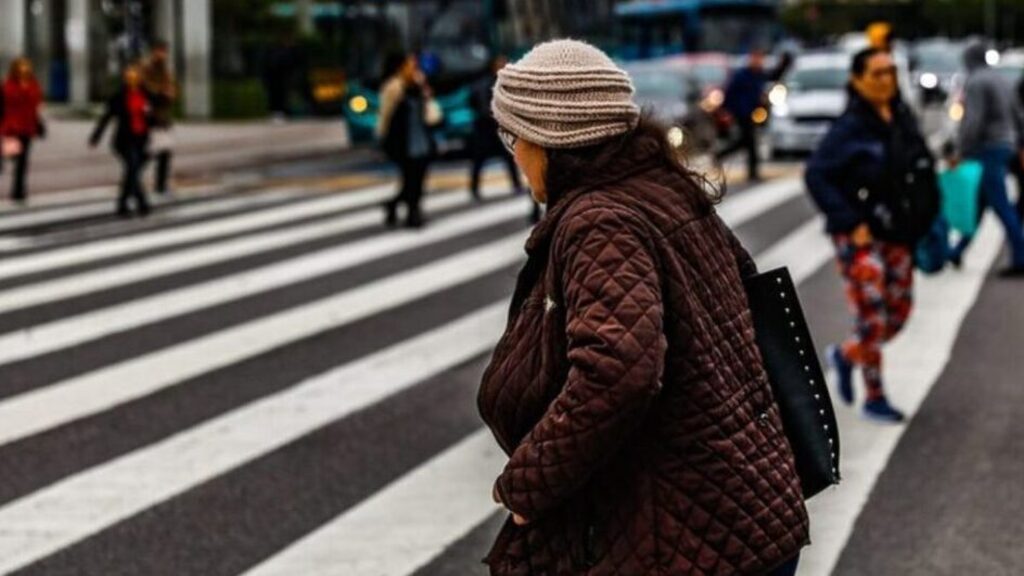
(713, 100)
(759, 115)
(675, 136)
(778, 94)
(929, 80)
(780, 110)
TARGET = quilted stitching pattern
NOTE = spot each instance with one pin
(642, 435)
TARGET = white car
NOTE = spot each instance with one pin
(812, 95)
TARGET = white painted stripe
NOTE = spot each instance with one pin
(913, 363)
(73, 330)
(402, 527)
(803, 251)
(146, 268)
(173, 212)
(759, 199)
(27, 264)
(62, 402)
(72, 509)
(55, 212)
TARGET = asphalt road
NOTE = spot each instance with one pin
(270, 382)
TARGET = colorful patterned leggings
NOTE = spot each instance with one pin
(879, 287)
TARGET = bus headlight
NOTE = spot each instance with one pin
(358, 104)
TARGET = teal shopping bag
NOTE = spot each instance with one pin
(960, 188)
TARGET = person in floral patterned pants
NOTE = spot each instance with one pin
(879, 280)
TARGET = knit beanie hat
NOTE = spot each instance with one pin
(564, 94)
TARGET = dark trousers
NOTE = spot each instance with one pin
(21, 168)
(483, 153)
(414, 173)
(133, 160)
(994, 160)
(1017, 169)
(747, 141)
(163, 171)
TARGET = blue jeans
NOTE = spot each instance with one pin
(994, 159)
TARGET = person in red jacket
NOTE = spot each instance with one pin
(131, 109)
(22, 99)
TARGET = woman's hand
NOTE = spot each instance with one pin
(516, 518)
(861, 236)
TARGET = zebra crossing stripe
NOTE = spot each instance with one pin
(59, 515)
(66, 332)
(62, 402)
(437, 503)
(101, 249)
(152, 267)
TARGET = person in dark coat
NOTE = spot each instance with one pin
(22, 99)
(743, 95)
(852, 180)
(628, 390)
(486, 144)
(131, 109)
(407, 114)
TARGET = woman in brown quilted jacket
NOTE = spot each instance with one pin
(627, 390)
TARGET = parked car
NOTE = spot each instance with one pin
(685, 92)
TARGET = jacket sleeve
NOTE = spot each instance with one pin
(744, 261)
(972, 124)
(390, 95)
(825, 170)
(616, 348)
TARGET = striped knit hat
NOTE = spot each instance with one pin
(565, 94)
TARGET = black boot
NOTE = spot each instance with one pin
(390, 214)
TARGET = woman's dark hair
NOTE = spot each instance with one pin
(860, 60)
(566, 168)
(393, 62)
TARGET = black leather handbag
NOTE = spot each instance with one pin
(796, 377)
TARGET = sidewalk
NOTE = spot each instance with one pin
(64, 160)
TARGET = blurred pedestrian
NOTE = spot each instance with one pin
(131, 109)
(163, 91)
(485, 143)
(989, 133)
(1017, 162)
(407, 114)
(743, 95)
(628, 375)
(874, 179)
(20, 120)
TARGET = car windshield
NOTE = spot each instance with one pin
(1011, 73)
(659, 84)
(810, 79)
(943, 60)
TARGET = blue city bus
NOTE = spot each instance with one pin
(654, 28)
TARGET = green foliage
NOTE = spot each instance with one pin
(239, 99)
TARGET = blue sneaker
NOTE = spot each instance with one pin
(844, 373)
(880, 410)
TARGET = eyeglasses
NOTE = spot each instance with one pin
(508, 139)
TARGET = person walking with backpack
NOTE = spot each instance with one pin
(407, 113)
(989, 132)
(874, 179)
(20, 121)
(628, 391)
(130, 107)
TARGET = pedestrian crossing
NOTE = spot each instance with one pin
(275, 384)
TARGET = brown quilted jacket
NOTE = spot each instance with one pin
(630, 397)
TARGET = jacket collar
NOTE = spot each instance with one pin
(639, 155)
